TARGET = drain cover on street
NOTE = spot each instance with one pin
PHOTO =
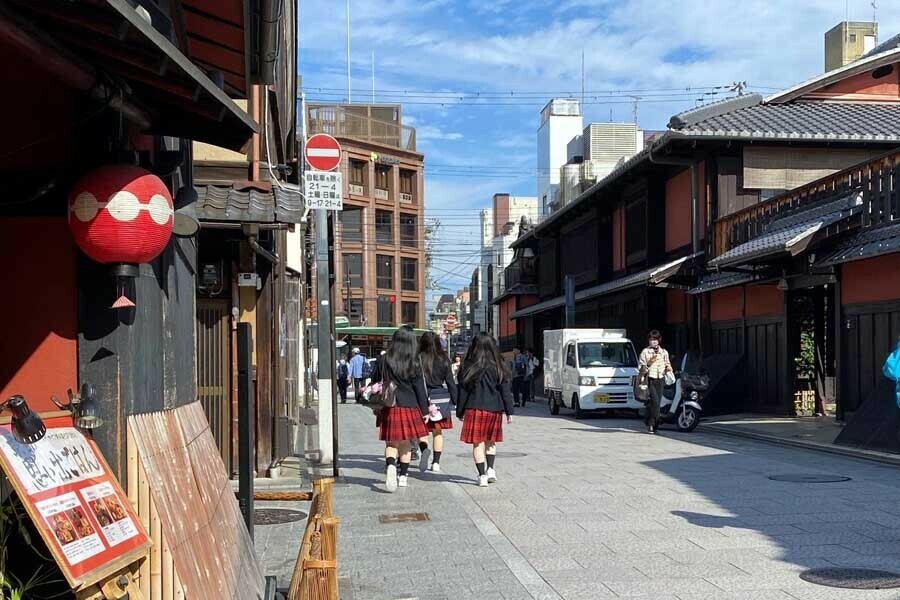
(852, 579)
(499, 454)
(403, 518)
(808, 478)
(276, 516)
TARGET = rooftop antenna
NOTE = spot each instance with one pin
(739, 87)
(634, 109)
(875, 17)
(349, 97)
(582, 80)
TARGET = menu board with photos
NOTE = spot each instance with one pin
(76, 504)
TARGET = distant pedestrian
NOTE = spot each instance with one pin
(457, 363)
(532, 363)
(442, 396)
(343, 379)
(519, 372)
(358, 368)
(654, 363)
(484, 396)
(405, 420)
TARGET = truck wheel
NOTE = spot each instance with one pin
(576, 406)
(554, 405)
(688, 419)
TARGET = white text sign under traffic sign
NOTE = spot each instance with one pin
(324, 190)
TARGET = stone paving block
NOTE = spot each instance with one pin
(662, 586)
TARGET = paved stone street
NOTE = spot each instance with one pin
(597, 509)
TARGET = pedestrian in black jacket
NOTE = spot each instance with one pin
(484, 395)
(441, 393)
(406, 419)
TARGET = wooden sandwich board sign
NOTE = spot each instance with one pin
(76, 504)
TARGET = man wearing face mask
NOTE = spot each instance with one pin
(655, 364)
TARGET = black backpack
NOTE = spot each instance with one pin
(521, 366)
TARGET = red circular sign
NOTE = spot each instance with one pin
(451, 322)
(323, 152)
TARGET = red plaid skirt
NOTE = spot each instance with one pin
(445, 423)
(481, 426)
(400, 423)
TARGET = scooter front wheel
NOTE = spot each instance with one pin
(688, 419)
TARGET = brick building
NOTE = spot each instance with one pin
(379, 245)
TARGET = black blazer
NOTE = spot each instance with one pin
(487, 394)
(410, 392)
(440, 377)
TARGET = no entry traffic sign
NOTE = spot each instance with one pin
(451, 322)
(323, 153)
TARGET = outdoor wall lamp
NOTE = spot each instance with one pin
(27, 425)
(83, 407)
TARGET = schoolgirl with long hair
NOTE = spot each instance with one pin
(441, 389)
(405, 420)
(484, 397)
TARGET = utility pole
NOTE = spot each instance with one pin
(349, 95)
(373, 77)
(328, 443)
(582, 81)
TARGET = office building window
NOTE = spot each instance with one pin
(357, 172)
(355, 311)
(385, 271)
(409, 274)
(385, 311)
(351, 224)
(408, 184)
(408, 230)
(352, 271)
(382, 177)
(409, 313)
(384, 227)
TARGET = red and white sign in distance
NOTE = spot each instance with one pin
(451, 322)
(323, 152)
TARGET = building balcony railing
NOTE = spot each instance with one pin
(381, 194)
(878, 179)
(368, 123)
(356, 189)
(520, 272)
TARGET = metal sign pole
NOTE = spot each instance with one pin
(246, 423)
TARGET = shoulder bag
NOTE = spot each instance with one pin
(443, 405)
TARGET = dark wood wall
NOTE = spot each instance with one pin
(143, 359)
(868, 335)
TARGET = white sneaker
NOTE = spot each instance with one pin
(435, 467)
(390, 480)
(401, 481)
(482, 481)
(492, 476)
(423, 459)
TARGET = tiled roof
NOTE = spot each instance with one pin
(791, 232)
(252, 205)
(824, 121)
(864, 244)
(717, 281)
(652, 276)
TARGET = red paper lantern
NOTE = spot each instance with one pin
(121, 215)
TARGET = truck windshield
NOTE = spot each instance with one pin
(603, 354)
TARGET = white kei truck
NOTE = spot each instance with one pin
(589, 370)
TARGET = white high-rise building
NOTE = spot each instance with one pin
(561, 121)
(595, 154)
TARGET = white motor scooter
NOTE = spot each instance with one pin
(681, 402)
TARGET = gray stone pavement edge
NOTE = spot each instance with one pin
(598, 509)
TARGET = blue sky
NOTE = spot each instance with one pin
(429, 53)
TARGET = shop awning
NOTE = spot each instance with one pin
(717, 281)
(864, 244)
(109, 45)
(659, 276)
(794, 233)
